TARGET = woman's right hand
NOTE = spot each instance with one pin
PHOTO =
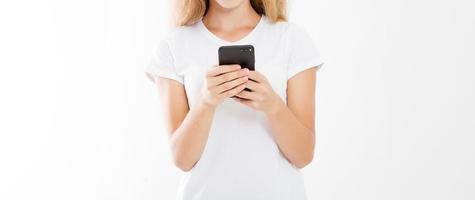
(223, 81)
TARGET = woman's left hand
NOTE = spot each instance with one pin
(262, 97)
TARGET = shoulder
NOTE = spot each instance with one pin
(288, 29)
(180, 33)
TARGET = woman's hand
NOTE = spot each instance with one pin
(261, 97)
(222, 82)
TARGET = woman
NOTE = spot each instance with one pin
(233, 143)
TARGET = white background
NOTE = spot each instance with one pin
(395, 106)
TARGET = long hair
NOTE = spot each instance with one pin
(188, 12)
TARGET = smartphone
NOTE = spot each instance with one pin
(242, 55)
(237, 54)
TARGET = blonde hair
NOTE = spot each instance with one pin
(190, 11)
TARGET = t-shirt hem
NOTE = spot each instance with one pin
(151, 74)
(317, 62)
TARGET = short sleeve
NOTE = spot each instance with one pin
(303, 52)
(161, 63)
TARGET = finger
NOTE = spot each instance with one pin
(223, 78)
(257, 76)
(254, 86)
(215, 71)
(229, 76)
(232, 92)
(248, 95)
(231, 84)
(243, 101)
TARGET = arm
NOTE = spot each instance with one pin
(292, 125)
(189, 128)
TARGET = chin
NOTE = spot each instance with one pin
(230, 4)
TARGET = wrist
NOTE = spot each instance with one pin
(278, 106)
(206, 105)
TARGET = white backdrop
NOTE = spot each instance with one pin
(395, 106)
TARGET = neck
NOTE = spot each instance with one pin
(230, 18)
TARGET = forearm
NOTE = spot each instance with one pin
(295, 140)
(189, 139)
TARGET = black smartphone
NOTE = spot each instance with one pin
(237, 54)
(242, 55)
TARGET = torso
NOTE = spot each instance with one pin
(241, 160)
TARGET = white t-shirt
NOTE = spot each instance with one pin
(241, 160)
